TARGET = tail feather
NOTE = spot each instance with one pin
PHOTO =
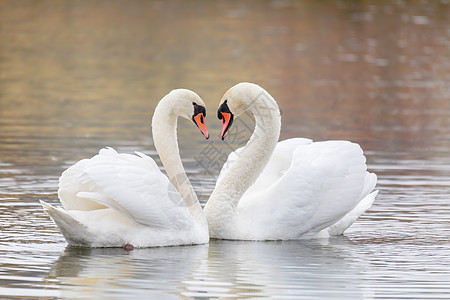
(340, 226)
(367, 199)
(74, 232)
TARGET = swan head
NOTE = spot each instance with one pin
(236, 101)
(187, 104)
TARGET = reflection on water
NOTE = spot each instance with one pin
(77, 76)
(221, 269)
(338, 269)
(115, 273)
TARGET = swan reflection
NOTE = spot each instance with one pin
(320, 268)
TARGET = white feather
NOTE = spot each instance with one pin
(293, 189)
(113, 199)
(322, 183)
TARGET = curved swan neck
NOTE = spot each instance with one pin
(164, 130)
(255, 156)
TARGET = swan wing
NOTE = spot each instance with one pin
(278, 164)
(130, 184)
(324, 181)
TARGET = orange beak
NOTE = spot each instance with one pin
(200, 122)
(225, 121)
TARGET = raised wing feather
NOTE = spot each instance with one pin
(131, 184)
(278, 164)
(323, 183)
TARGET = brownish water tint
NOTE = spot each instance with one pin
(76, 76)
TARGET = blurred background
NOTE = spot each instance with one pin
(77, 71)
(76, 76)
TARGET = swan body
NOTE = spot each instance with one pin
(112, 199)
(293, 189)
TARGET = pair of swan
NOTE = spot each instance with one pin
(267, 190)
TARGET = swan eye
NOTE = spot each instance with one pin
(199, 109)
(223, 109)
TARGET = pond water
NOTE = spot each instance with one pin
(78, 76)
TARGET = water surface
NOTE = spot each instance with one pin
(78, 76)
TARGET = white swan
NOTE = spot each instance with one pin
(113, 200)
(293, 189)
